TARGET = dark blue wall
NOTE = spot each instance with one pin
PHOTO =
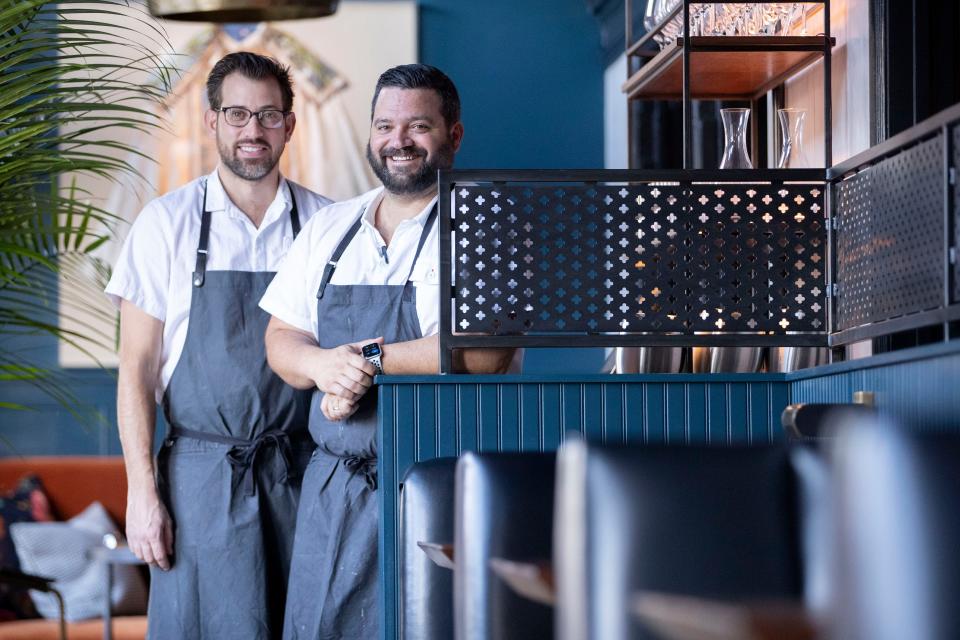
(530, 73)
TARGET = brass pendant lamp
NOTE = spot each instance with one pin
(241, 10)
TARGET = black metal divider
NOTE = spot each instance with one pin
(617, 258)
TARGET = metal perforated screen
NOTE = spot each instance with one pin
(890, 237)
(660, 258)
(956, 214)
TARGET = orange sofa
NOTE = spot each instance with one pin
(72, 483)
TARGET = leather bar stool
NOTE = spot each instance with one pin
(713, 523)
(504, 510)
(897, 529)
(426, 515)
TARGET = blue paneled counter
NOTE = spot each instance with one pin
(423, 417)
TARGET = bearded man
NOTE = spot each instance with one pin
(359, 296)
(214, 517)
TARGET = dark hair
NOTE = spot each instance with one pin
(422, 76)
(254, 67)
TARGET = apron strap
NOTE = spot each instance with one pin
(200, 270)
(427, 226)
(332, 264)
(294, 213)
(242, 455)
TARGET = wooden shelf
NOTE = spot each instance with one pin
(724, 67)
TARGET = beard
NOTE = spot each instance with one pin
(251, 170)
(418, 181)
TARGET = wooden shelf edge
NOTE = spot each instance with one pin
(748, 45)
(651, 70)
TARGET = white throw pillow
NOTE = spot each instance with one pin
(60, 550)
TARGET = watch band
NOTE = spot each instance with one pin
(375, 360)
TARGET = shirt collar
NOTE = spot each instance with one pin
(420, 219)
(218, 200)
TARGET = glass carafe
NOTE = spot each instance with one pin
(735, 154)
(792, 155)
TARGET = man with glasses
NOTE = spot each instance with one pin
(215, 516)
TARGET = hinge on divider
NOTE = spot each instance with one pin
(953, 255)
(833, 290)
(835, 223)
(953, 175)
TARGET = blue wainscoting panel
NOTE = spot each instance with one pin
(423, 417)
(918, 387)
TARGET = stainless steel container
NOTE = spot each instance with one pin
(787, 359)
(701, 360)
(649, 359)
(735, 359)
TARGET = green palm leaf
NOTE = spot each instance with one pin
(73, 75)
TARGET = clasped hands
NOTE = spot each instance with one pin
(345, 378)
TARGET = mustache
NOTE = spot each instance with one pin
(259, 141)
(410, 150)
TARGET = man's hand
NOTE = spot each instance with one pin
(344, 372)
(336, 408)
(149, 528)
(295, 356)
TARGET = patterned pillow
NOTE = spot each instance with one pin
(61, 551)
(26, 503)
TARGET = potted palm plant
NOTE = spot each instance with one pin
(76, 79)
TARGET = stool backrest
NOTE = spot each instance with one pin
(426, 515)
(504, 510)
(716, 523)
(897, 518)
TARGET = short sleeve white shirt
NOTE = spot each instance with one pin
(292, 296)
(158, 257)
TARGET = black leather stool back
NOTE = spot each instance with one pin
(897, 534)
(426, 515)
(504, 510)
(710, 522)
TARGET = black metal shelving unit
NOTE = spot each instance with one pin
(777, 58)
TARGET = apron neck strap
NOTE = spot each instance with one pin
(331, 265)
(200, 270)
(294, 213)
(427, 226)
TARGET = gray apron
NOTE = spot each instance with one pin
(230, 468)
(333, 582)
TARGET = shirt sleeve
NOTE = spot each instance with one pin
(141, 274)
(289, 296)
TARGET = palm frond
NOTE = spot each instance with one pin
(73, 77)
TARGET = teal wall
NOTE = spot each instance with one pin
(531, 77)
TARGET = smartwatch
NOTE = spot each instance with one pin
(372, 353)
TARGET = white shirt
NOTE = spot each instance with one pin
(156, 263)
(292, 296)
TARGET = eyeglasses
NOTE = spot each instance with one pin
(240, 116)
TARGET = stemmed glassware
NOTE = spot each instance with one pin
(726, 19)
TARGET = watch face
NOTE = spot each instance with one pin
(371, 350)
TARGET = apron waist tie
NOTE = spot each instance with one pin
(242, 455)
(365, 466)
